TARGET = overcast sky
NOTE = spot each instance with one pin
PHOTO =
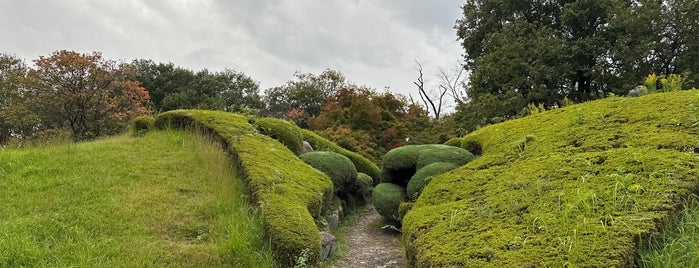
(373, 43)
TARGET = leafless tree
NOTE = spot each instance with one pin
(431, 102)
(452, 81)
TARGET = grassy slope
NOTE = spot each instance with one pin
(168, 199)
(576, 186)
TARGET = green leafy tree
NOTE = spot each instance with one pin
(16, 119)
(540, 51)
(305, 95)
(174, 87)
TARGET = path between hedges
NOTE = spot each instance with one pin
(371, 246)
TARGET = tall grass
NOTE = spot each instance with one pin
(169, 199)
(679, 245)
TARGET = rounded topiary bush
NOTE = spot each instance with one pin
(399, 164)
(140, 125)
(284, 131)
(434, 153)
(424, 175)
(387, 198)
(338, 167)
(364, 184)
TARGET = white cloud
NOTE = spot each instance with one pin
(371, 42)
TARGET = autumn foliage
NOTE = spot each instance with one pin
(83, 93)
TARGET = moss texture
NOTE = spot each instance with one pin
(140, 125)
(290, 193)
(338, 167)
(579, 186)
(361, 163)
(387, 198)
(423, 176)
(283, 131)
(453, 142)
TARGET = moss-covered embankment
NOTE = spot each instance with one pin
(290, 193)
(578, 186)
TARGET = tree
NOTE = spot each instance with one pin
(306, 95)
(431, 102)
(174, 87)
(89, 95)
(15, 118)
(541, 51)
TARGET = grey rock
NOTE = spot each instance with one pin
(328, 244)
(307, 147)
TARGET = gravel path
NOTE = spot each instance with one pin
(371, 246)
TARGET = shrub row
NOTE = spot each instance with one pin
(408, 169)
(580, 186)
(290, 193)
(362, 164)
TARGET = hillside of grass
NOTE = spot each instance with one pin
(169, 199)
(581, 186)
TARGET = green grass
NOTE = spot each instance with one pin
(679, 245)
(169, 199)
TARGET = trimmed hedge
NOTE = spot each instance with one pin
(361, 163)
(290, 193)
(284, 131)
(140, 125)
(456, 142)
(580, 186)
(364, 185)
(387, 197)
(338, 167)
(423, 176)
(401, 163)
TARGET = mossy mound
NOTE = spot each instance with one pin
(284, 131)
(580, 186)
(423, 176)
(401, 163)
(140, 125)
(361, 163)
(453, 142)
(387, 198)
(290, 193)
(338, 167)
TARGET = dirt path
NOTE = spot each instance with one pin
(370, 246)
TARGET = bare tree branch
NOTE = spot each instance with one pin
(429, 103)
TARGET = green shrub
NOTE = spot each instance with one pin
(401, 163)
(291, 194)
(423, 176)
(361, 163)
(433, 153)
(284, 131)
(338, 167)
(453, 142)
(387, 198)
(364, 184)
(140, 125)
